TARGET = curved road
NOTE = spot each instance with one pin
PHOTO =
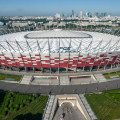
(63, 89)
(60, 89)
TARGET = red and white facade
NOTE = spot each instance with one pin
(59, 49)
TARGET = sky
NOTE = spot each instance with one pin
(50, 7)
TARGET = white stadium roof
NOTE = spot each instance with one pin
(51, 39)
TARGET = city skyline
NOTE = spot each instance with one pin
(49, 8)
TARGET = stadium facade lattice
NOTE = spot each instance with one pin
(59, 50)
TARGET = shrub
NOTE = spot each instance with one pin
(15, 109)
(6, 109)
(21, 105)
(10, 105)
(3, 113)
(6, 104)
(30, 100)
(33, 98)
(36, 96)
(11, 109)
(24, 101)
(16, 106)
(27, 102)
(11, 101)
(30, 97)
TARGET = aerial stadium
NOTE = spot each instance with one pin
(59, 50)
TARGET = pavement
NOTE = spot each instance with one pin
(45, 82)
(26, 79)
(64, 80)
(100, 77)
(82, 81)
(69, 113)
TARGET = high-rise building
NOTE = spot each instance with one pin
(89, 14)
(73, 14)
(97, 14)
(80, 14)
(104, 14)
(57, 16)
(86, 14)
(100, 14)
(63, 15)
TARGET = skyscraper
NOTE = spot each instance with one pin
(89, 14)
(97, 14)
(103, 14)
(80, 14)
(73, 14)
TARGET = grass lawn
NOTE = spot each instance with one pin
(108, 75)
(14, 106)
(106, 105)
(10, 77)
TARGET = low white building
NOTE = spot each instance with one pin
(1, 23)
(19, 24)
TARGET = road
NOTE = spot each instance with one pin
(60, 89)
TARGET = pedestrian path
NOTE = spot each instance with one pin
(48, 108)
(100, 77)
(87, 107)
(26, 79)
(64, 80)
